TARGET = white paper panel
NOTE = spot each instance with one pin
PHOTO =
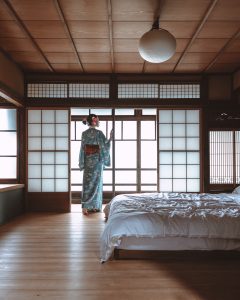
(179, 157)
(48, 143)
(8, 167)
(73, 131)
(193, 158)
(149, 154)
(48, 158)
(61, 143)
(107, 176)
(101, 112)
(8, 143)
(179, 171)
(48, 116)
(34, 129)
(62, 130)
(79, 111)
(48, 130)
(165, 130)
(179, 185)
(76, 176)
(148, 188)
(193, 130)
(149, 111)
(34, 158)
(126, 149)
(129, 130)
(34, 116)
(61, 185)
(192, 143)
(34, 185)
(76, 188)
(192, 116)
(48, 185)
(61, 116)
(8, 119)
(179, 130)
(165, 185)
(125, 188)
(47, 171)
(129, 177)
(80, 127)
(61, 171)
(193, 171)
(179, 116)
(165, 116)
(179, 144)
(165, 171)
(124, 112)
(61, 158)
(165, 144)
(193, 185)
(75, 148)
(34, 171)
(165, 158)
(148, 130)
(149, 177)
(34, 143)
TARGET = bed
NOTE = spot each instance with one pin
(171, 221)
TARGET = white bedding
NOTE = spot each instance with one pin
(159, 215)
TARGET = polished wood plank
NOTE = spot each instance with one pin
(56, 256)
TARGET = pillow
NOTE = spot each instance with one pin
(236, 190)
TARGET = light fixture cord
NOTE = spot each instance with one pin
(155, 25)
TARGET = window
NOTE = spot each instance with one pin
(8, 149)
(224, 152)
(179, 151)
(48, 147)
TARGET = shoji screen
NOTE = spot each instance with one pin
(48, 151)
(179, 151)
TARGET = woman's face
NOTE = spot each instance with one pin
(95, 121)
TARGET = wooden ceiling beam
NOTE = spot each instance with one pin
(26, 32)
(10, 96)
(68, 32)
(233, 38)
(110, 30)
(199, 28)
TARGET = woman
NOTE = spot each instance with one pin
(94, 155)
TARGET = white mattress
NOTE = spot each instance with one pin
(171, 221)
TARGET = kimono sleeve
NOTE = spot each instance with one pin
(81, 154)
(104, 149)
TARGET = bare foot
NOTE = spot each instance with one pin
(85, 211)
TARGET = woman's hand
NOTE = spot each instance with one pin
(111, 135)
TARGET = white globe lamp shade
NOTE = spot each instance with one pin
(157, 45)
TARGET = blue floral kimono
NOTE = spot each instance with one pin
(92, 164)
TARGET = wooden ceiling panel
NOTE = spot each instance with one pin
(4, 14)
(181, 44)
(55, 45)
(207, 45)
(158, 68)
(135, 10)
(128, 68)
(198, 58)
(15, 44)
(191, 68)
(221, 68)
(181, 30)
(92, 45)
(35, 10)
(82, 10)
(98, 68)
(184, 10)
(132, 57)
(27, 57)
(125, 45)
(35, 67)
(214, 29)
(228, 10)
(85, 29)
(11, 29)
(228, 58)
(234, 46)
(61, 57)
(130, 30)
(67, 68)
(95, 57)
(46, 29)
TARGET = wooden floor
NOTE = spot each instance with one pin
(56, 256)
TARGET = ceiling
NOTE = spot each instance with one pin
(101, 36)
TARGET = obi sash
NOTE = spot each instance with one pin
(91, 149)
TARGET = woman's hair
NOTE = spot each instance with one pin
(90, 120)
